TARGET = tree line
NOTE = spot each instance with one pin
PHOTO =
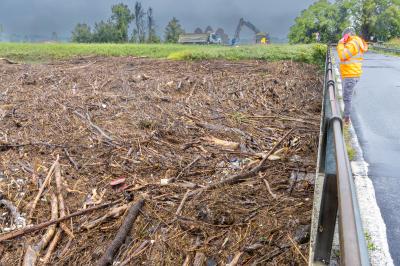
(372, 19)
(116, 28)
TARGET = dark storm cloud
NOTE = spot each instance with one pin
(46, 16)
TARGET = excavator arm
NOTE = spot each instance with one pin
(248, 24)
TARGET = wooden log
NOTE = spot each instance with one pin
(123, 231)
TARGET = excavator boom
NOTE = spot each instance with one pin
(259, 35)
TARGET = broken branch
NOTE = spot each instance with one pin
(123, 231)
(32, 253)
(44, 185)
(236, 178)
(34, 228)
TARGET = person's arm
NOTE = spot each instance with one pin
(343, 51)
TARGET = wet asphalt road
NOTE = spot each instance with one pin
(376, 119)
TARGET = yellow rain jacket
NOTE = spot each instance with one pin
(351, 56)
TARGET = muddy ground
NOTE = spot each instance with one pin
(164, 129)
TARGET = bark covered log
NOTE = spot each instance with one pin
(123, 231)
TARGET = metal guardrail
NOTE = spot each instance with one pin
(385, 48)
(338, 196)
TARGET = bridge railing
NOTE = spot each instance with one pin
(338, 200)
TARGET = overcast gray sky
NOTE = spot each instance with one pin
(26, 17)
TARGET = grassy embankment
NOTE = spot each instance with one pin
(395, 43)
(26, 52)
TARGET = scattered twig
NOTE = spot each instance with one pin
(187, 260)
(76, 166)
(52, 246)
(269, 188)
(235, 259)
(114, 213)
(236, 178)
(179, 210)
(123, 231)
(8, 146)
(61, 203)
(181, 173)
(94, 126)
(32, 252)
(283, 118)
(44, 185)
(136, 253)
(34, 228)
(297, 249)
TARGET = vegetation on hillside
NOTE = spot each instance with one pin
(379, 19)
(394, 43)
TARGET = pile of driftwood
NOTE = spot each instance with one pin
(138, 161)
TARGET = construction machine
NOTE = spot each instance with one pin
(199, 38)
(261, 37)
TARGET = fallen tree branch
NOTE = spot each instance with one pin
(297, 249)
(34, 228)
(181, 173)
(94, 126)
(235, 259)
(283, 118)
(76, 166)
(8, 146)
(44, 185)
(238, 177)
(179, 210)
(113, 213)
(52, 246)
(269, 188)
(123, 231)
(32, 252)
(61, 202)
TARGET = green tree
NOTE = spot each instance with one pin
(106, 32)
(388, 23)
(378, 18)
(173, 30)
(121, 18)
(321, 17)
(82, 33)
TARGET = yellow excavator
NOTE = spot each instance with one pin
(261, 37)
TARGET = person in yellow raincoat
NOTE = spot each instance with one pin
(351, 49)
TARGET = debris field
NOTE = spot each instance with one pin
(157, 162)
